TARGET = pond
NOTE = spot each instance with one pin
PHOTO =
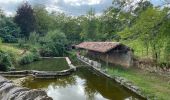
(46, 64)
(82, 85)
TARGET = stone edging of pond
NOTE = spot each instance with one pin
(122, 81)
(42, 74)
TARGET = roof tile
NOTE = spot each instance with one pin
(98, 46)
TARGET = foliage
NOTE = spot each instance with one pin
(143, 27)
(44, 21)
(147, 30)
(25, 19)
(167, 52)
(53, 44)
(0, 41)
(18, 55)
(89, 26)
(72, 30)
(9, 31)
(5, 61)
(29, 57)
(33, 38)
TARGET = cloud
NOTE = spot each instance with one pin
(70, 7)
(157, 2)
(9, 6)
(82, 2)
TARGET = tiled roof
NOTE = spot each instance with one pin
(102, 47)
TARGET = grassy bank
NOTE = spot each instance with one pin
(16, 55)
(155, 86)
(10, 48)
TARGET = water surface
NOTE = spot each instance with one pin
(82, 85)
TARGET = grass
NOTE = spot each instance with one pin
(17, 54)
(11, 49)
(49, 64)
(151, 84)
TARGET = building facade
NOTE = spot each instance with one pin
(109, 52)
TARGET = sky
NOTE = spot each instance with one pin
(70, 7)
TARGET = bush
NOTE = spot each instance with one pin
(35, 53)
(72, 54)
(26, 59)
(52, 50)
(5, 61)
(10, 39)
(9, 31)
(53, 44)
(0, 40)
(29, 57)
(33, 38)
(22, 44)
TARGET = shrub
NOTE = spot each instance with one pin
(5, 61)
(72, 54)
(10, 39)
(0, 40)
(35, 53)
(29, 57)
(26, 59)
(33, 38)
(52, 49)
(53, 44)
(22, 44)
(9, 31)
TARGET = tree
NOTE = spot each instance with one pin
(43, 20)
(9, 31)
(72, 30)
(147, 29)
(1, 13)
(111, 23)
(53, 44)
(89, 24)
(25, 19)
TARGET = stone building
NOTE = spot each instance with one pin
(109, 52)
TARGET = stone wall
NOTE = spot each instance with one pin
(115, 57)
(9, 91)
(122, 81)
(42, 74)
(37, 74)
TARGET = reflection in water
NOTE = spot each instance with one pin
(74, 92)
(83, 85)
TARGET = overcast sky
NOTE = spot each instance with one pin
(71, 7)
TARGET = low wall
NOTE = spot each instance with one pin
(9, 91)
(122, 81)
(42, 74)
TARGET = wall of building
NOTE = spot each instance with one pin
(115, 57)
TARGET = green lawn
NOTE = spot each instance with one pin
(151, 84)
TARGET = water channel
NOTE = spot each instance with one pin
(82, 85)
